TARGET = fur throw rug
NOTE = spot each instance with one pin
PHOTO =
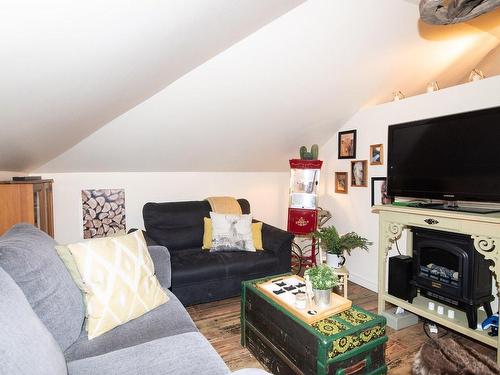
(447, 357)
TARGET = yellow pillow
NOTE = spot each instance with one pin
(257, 235)
(119, 278)
(69, 262)
(207, 234)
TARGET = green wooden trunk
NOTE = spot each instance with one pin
(352, 342)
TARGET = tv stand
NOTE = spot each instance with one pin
(453, 206)
(484, 230)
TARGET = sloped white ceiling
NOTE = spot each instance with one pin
(69, 67)
(294, 81)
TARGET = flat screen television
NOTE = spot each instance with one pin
(450, 158)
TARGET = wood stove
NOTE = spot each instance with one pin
(447, 268)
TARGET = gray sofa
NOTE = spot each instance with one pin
(42, 321)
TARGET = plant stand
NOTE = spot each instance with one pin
(343, 274)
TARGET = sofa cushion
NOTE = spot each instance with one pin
(195, 265)
(28, 255)
(26, 346)
(188, 353)
(119, 280)
(231, 232)
(176, 225)
(166, 320)
(207, 234)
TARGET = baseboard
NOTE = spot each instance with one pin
(360, 280)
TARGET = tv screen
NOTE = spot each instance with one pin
(454, 157)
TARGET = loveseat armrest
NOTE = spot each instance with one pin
(279, 242)
(161, 259)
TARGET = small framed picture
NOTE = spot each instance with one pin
(347, 144)
(359, 173)
(379, 191)
(341, 182)
(377, 154)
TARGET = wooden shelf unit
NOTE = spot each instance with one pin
(27, 202)
(484, 229)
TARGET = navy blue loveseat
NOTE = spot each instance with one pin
(198, 275)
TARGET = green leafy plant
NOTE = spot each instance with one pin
(333, 243)
(322, 277)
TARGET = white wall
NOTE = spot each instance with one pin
(490, 65)
(266, 192)
(352, 211)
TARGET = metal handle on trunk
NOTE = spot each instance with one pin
(357, 367)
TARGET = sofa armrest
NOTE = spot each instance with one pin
(161, 260)
(279, 242)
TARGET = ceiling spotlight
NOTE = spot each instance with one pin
(432, 86)
(397, 95)
(476, 75)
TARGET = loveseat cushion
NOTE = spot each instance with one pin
(176, 225)
(188, 353)
(192, 266)
(26, 346)
(28, 255)
(166, 320)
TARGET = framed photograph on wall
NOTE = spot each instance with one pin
(377, 154)
(379, 191)
(341, 182)
(347, 144)
(359, 173)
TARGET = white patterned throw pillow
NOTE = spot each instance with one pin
(231, 232)
(119, 278)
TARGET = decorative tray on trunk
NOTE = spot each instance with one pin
(283, 291)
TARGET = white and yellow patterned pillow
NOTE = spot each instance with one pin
(119, 278)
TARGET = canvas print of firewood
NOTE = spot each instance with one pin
(103, 212)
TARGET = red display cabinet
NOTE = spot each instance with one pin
(303, 204)
(302, 221)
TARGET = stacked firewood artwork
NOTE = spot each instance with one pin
(103, 212)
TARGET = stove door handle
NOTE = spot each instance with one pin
(431, 221)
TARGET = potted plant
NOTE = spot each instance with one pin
(322, 281)
(335, 245)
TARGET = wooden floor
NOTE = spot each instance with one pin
(219, 322)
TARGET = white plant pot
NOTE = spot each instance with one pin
(334, 260)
